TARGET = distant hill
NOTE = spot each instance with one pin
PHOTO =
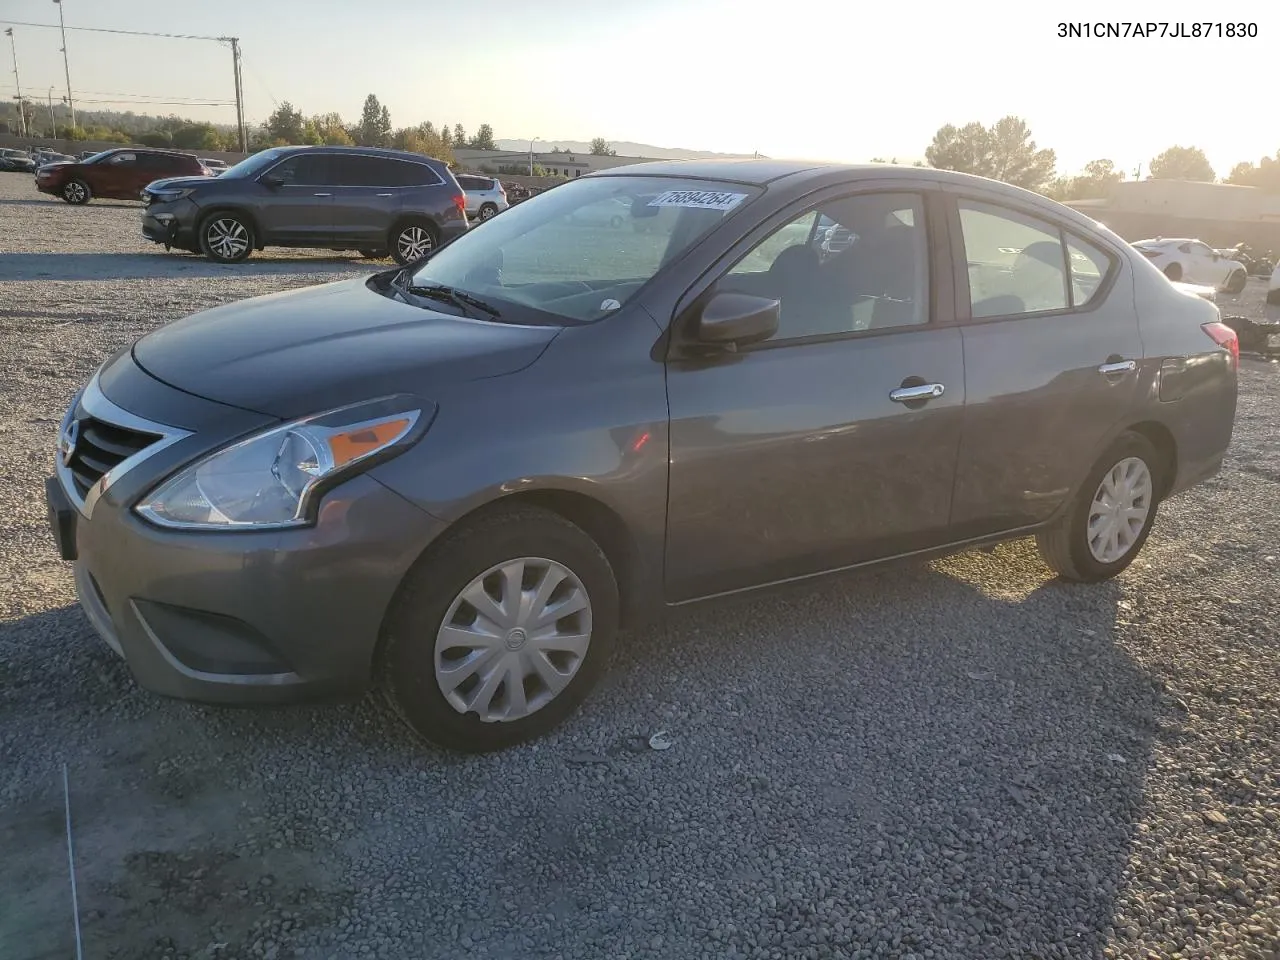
(624, 148)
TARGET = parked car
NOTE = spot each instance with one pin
(1273, 285)
(1195, 262)
(16, 161)
(460, 479)
(216, 167)
(340, 198)
(486, 196)
(118, 174)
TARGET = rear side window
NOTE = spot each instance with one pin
(124, 158)
(356, 171)
(410, 174)
(1016, 263)
(469, 183)
(1089, 269)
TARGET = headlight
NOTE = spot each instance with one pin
(273, 479)
(171, 194)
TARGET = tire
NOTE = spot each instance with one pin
(76, 192)
(412, 240)
(226, 237)
(374, 254)
(432, 592)
(1065, 546)
(1174, 272)
(1235, 282)
(488, 212)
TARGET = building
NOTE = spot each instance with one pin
(568, 165)
(1220, 214)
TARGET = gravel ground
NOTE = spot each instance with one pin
(963, 759)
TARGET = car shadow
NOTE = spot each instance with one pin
(967, 725)
(146, 266)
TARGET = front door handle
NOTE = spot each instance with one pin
(1119, 366)
(324, 194)
(384, 194)
(925, 391)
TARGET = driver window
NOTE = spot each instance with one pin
(124, 158)
(855, 264)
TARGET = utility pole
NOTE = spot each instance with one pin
(22, 112)
(531, 155)
(53, 124)
(66, 65)
(235, 62)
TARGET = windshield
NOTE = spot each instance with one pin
(581, 250)
(254, 165)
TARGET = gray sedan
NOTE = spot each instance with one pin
(461, 479)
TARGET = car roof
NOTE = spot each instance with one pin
(369, 152)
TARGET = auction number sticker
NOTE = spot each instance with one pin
(701, 199)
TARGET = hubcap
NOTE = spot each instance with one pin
(1120, 509)
(75, 192)
(228, 238)
(414, 242)
(487, 213)
(513, 639)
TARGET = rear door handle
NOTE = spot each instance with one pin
(1120, 366)
(925, 391)
(384, 194)
(324, 194)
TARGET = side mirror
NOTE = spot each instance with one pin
(270, 182)
(737, 319)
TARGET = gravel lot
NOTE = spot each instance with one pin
(963, 759)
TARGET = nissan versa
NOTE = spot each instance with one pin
(459, 479)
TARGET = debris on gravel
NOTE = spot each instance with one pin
(960, 759)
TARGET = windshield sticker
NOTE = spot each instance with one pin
(701, 199)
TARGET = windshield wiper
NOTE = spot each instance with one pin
(456, 297)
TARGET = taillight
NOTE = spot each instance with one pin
(460, 201)
(1224, 337)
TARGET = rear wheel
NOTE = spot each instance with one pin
(488, 211)
(502, 632)
(226, 237)
(1235, 282)
(412, 241)
(76, 192)
(1174, 272)
(1110, 518)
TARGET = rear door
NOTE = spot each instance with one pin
(835, 441)
(300, 209)
(366, 197)
(1051, 357)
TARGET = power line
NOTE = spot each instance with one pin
(131, 33)
(144, 97)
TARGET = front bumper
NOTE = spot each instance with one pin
(243, 617)
(48, 186)
(172, 224)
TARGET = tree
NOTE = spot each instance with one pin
(600, 148)
(197, 136)
(1003, 151)
(286, 124)
(1182, 163)
(1094, 183)
(375, 124)
(330, 130)
(445, 136)
(483, 140)
(422, 139)
(459, 135)
(1265, 175)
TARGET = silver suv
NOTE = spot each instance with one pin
(486, 196)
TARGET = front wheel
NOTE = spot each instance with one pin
(412, 241)
(76, 192)
(1108, 522)
(226, 238)
(1235, 282)
(500, 634)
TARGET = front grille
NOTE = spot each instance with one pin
(101, 447)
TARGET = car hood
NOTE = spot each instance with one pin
(171, 182)
(58, 164)
(303, 351)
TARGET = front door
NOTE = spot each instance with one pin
(1051, 365)
(298, 204)
(115, 177)
(835, 441)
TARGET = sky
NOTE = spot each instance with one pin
(813, 79)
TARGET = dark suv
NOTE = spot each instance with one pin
(115, 174)
(379, 202)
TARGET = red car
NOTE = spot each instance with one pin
(116, 174)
